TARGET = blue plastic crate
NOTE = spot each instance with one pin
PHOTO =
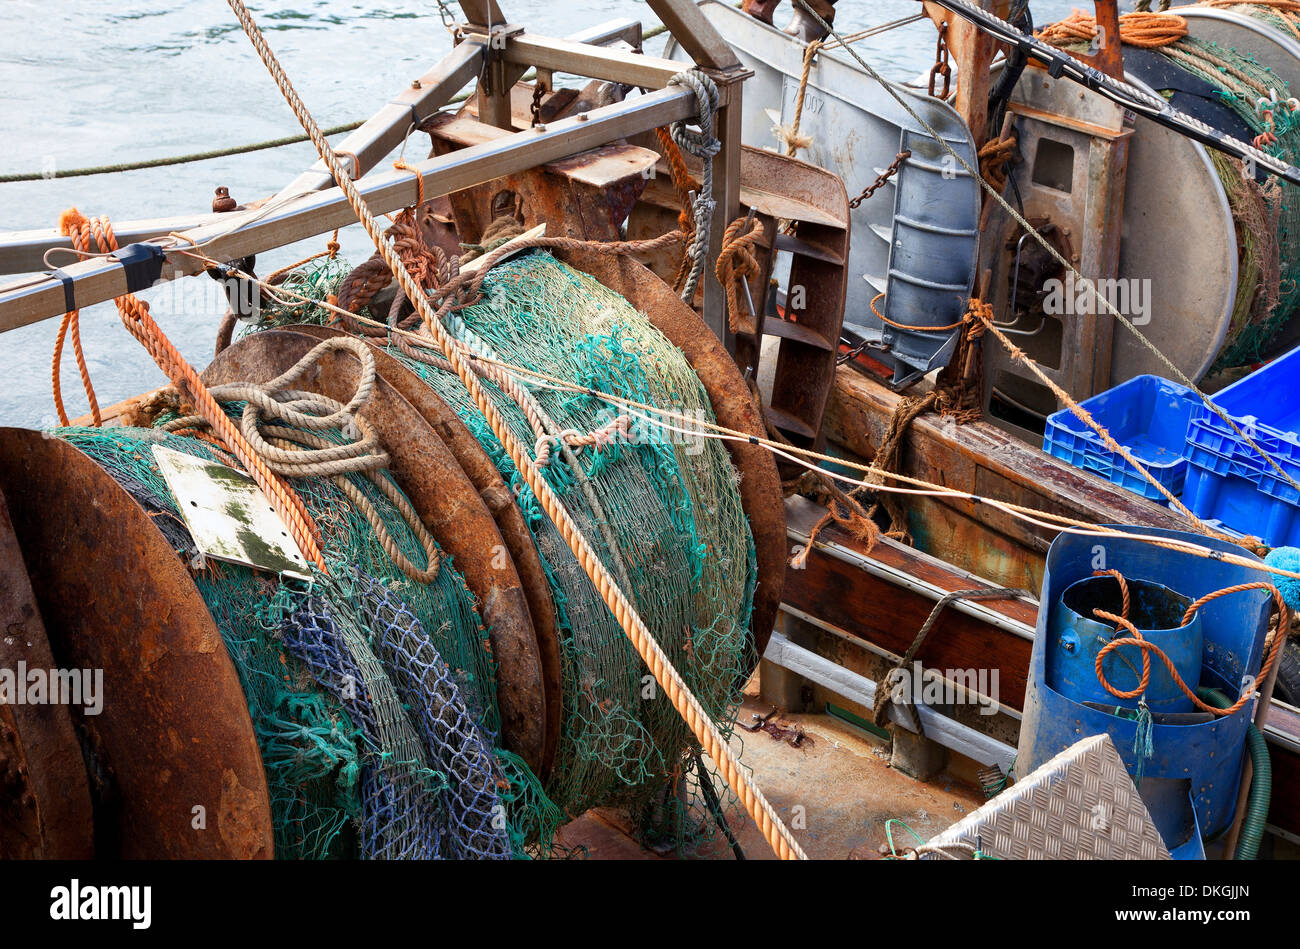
(1239, 503)
(1265, 405)
(1147, 415)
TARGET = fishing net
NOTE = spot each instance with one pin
(662, 510)
(372, 696)
(1267, 213)
(1259, 311)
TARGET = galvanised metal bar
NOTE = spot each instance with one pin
(23, 251)
(317, 213)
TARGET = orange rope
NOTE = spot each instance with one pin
(1143, 30)
(968, 318)
(736, 262)
(1146, 660)
(1135, 639)
(71, 325)
(1123, 590)
(401, 165)
(135, 316)
(683, 182)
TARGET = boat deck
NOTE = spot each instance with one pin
(842, 779)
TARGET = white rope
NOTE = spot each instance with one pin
(702, 144)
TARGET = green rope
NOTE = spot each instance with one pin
(649, 34)
(174, 160)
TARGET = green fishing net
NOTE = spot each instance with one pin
(1259, 311)
(661, 508)
(341, 786)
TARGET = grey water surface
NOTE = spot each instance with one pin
(94, 82)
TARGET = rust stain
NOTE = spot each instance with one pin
(239, 820)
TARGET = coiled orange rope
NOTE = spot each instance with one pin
(1143, 30)
(1135, 639)
(98, 233)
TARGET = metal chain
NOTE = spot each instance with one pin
(448, 17)
(881, 179)
(537, 103)
(941, 66)
(852, 353)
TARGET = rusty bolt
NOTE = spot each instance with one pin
(415, 84)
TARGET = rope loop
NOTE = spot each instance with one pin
(280, 423)
(1272, 646)
(703, 144)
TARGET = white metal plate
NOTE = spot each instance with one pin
(1080, 805)
(228, 515)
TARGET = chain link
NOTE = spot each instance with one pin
(941, 66)
(448, 17)
(538, 89)
(883, 177)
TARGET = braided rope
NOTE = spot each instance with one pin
(1135, 639)
(736, 262)
(687, 705)
(790, 136)
(702, 144)
(135, 316)
(290, 451)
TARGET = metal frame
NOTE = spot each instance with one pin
(497, 54)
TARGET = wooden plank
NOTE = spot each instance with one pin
(983, 460)
(96, 280)
(973, 52)
(648, 72)
(693, 31)
(601, 168)
(877, 611)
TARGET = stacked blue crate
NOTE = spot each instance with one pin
(1229, 480)
(1148, 416)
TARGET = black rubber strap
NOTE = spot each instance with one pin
(143, 264)
(69, 298)
(415, 114)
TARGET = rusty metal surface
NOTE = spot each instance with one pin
(20, 818)
(585, 196)
(500, 502)
(174, 732)
(41, 771)
(445, 500)
(760, 489)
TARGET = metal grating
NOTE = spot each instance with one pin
(1080, 805)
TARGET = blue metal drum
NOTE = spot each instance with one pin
(1076, 637)
(1190, 781)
